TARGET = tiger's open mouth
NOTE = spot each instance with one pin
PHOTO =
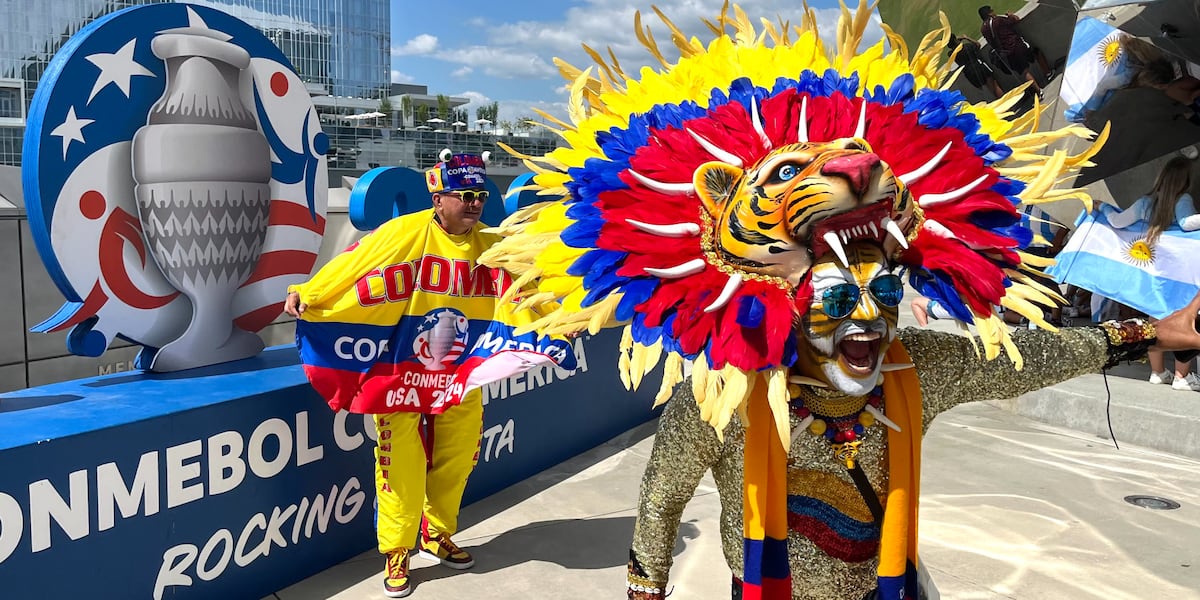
(870, 223)
(858, 353)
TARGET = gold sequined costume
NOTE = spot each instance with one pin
(950, 372)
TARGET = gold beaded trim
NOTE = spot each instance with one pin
(829, 406)
(713, 257)
(1128, 332)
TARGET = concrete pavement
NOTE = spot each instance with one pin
(1011, 508)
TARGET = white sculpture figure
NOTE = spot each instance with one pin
(203, 169)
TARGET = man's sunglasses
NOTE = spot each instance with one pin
(839, 301)
(469, 196)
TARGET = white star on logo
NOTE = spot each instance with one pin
(71, 130)
(118, 68)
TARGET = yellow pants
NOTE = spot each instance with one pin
(422, 463)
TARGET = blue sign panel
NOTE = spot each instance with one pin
(236, 480)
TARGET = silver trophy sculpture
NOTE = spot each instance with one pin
(202, 169)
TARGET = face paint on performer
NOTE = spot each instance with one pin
(852, 319)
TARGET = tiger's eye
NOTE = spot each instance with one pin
(786, 172)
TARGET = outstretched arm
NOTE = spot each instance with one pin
(684, 448)
(951, 371)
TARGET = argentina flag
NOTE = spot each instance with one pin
(1096, 67)
(1120, 264)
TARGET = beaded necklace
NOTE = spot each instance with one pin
(841, 420)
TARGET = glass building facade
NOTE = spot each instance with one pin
(339, 47)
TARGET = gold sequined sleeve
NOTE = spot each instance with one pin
(684, 448)
(952, 372)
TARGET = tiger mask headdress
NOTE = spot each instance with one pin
(799, 202)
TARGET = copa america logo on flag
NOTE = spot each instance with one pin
(175, 178)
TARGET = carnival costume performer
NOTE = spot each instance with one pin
(412, 288)
(742, 210)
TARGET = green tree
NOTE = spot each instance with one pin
(385, 107)
(443, 106)
(421, 113)
(406, 110)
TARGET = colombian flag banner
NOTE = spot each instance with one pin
(405, 321)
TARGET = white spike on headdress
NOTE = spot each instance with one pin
(931, 199)
(714, 150)
(861, 129)
(757, 120)
(835, 244)
(802, 380)
(731, 286)
(674, 230)
(878, 414)
(666, 188)
(895, 367)
(690, 267)
(802, 129)
(923, 170)
(804, 423)
(894, 230)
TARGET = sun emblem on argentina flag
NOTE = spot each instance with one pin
(1110, 49)
(1139, 253)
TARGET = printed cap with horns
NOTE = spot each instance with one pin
(457, 171)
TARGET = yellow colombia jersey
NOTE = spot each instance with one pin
(400, 320)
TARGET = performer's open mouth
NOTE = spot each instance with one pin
(858, 353)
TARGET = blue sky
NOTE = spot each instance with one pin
(503, 50)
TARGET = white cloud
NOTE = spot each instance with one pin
(422, 44)
(605, 24)
(462, 71)
(398, 77)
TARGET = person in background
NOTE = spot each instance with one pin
(975, 67)
(1167, 204)
(1018, 55)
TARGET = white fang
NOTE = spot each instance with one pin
(879, 417)
(690, 267)
(757, 120)
(674, 230)
(895, 367)
(930, 199)
(861, 129)
(835, 244)
(797, 430)
(731, 286)
(923, 170)
(894, 230)
(802, 129)
(712, 149)
(666, 188)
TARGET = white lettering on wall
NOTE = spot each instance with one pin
(111, 491)
(259, 464)
(12, 524)
(343, 503)
(225, 455)
(45, 504)
(178, 474)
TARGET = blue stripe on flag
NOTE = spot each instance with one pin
(1103, 260)
(765, 558)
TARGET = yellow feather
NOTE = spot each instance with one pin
(699, 378)
(778, 398)
(672, 375)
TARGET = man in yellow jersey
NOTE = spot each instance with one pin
(426, 449)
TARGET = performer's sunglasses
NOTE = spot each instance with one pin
(839, 301)
(470, 196)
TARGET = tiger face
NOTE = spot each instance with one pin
(773, 219)
(852, 319)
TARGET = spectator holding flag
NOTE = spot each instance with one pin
(412, 290)
(1167, 204)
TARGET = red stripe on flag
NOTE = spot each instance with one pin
(295, 215)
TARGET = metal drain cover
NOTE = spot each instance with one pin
(1152, 502)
